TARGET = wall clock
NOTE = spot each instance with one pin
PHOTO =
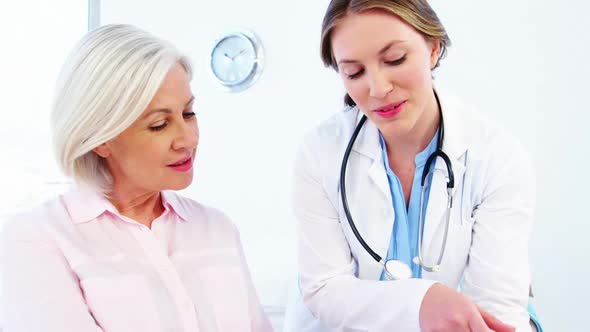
(237, 60)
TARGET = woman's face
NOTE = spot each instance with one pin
(386, 66)
(157, 151)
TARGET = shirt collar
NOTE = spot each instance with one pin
(86, 205)
(173, 203)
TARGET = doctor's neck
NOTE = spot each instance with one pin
(415, 139)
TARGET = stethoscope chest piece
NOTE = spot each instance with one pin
(397, 270)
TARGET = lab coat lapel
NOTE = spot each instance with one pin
(368, 145)
(379, 177)
(384, 217)
(381, 219)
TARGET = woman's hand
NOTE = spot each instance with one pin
(444, 309)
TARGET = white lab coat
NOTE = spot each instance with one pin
(487, 246)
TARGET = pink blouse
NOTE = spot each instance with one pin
(76, 264)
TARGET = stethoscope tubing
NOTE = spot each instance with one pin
(343, 191)
(425, 174)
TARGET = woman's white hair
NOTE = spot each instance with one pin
(107, 82)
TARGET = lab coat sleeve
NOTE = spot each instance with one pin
(39, 291)
(329, 287)
(259, 320)
(497, 275)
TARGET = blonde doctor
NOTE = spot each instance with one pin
(442, 198)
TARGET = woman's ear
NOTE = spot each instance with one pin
(434, 52)
(102, 150)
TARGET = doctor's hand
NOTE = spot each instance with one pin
(444, 309)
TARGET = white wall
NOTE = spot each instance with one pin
(522, 62)
(36, 37)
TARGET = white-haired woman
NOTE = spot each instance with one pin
(122, 252)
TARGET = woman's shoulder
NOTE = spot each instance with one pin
(490, 148)
(329, 138)
(479, 130)
(33, 223)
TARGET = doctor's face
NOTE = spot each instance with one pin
(157, 151)
(386, 67)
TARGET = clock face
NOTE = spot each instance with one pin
(234, 60)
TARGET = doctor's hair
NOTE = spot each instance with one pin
(106, 83)
(417, 13)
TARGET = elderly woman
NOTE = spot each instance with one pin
(122, 252)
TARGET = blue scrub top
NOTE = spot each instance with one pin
(403, 245)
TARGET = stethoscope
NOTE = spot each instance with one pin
(396, 269)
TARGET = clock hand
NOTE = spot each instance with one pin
(233, 57)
